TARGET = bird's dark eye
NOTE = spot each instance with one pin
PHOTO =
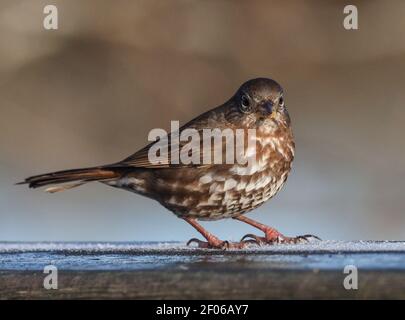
(245, 104)
(281, 101)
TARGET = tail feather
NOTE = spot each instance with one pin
(80, 175)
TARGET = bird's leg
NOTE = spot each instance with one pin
(212, 241)
(271, 235)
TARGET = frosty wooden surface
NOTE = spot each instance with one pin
(174, 271)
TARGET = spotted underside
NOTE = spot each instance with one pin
(219, 191)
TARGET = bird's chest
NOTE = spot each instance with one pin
(235, 189)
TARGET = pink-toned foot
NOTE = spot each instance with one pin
(223, 245)
(212, 241)
(272, 236)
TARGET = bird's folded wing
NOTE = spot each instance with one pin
(209, 147)
(168, 148)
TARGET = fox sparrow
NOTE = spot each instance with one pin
(209, 191)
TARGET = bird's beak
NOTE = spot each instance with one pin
(270, 109)
(273, 114)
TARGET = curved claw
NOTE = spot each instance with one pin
(249, 235)
(201, 244)
(253, 239)
(306, 237)
(312, 236)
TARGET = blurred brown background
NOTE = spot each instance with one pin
(89, 92)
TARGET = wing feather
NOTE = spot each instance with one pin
(140, 159)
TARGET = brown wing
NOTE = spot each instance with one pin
(140, 159)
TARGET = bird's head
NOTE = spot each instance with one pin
(259, 102)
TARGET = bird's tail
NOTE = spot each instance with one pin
(77, 176)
